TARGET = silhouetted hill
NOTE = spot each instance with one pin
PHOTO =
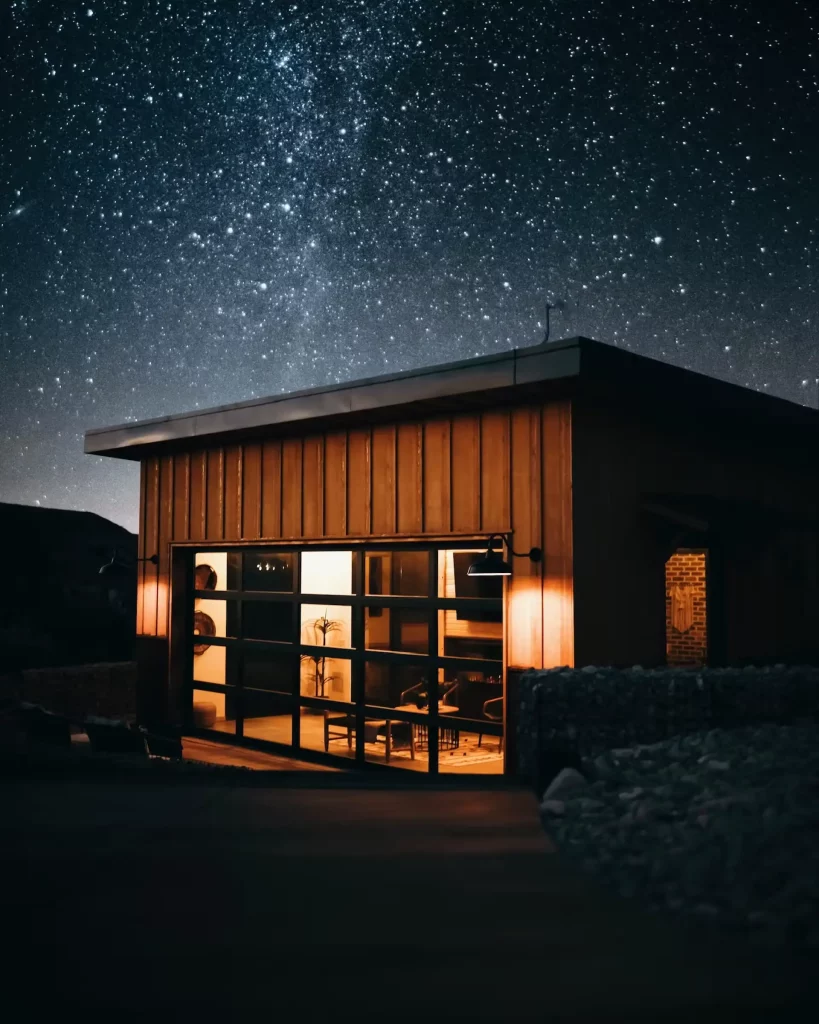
(55, 607)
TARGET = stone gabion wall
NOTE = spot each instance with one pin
(589, 710)
(106, 689)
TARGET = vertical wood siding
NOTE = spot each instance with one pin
(292, 487)
(358, 483)
(166, 509)
(437, 477)
(141, 541)
(313, 487)
(271, 489)
(215, 495)
(151, 547)
(383, 482)
(409, 455)
(252, 491)
(465, 473)
(558, 557)
(198, 490)
(478, 473)
(335, 485)
(233, 491)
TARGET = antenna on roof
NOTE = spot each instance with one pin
(549, 308)
(559, 306)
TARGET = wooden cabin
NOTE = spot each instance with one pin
(305, 558)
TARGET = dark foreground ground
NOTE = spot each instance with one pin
(323, 901)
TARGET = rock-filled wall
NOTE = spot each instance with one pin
(107, 689)
(569, 714)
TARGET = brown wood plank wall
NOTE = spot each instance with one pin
(144, 470)
(467, 473)
(252, 491)
(558, 554)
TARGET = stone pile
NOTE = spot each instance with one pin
(718, 824)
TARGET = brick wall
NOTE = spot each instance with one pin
(685, 575)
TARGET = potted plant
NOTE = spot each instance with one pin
(321, 627)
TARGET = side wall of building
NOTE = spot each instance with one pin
(764, 574)
(470, 473)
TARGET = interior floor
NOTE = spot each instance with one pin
(194, 748)
(469, 757)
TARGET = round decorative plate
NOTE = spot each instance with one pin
(203, 625)
(204, 577)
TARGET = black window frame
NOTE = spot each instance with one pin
(357, 653)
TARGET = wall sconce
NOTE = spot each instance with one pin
(117, 566)
(494, 564)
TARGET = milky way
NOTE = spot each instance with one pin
(203, 203)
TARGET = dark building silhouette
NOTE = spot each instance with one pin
(55, 606)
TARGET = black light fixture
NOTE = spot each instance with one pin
(494, 564)
(118, 567)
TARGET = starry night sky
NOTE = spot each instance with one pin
(207, 202)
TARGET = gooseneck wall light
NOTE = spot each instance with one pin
(118, 566)
(494, 564)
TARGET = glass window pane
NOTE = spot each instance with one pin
(476, 695)
(213, 618)
(267, 716)
(325, 676)
(391, 685)
(329, 732)
(392, 743)
(469, 639)
(268, 620)
(269, 670)
(397, 573)
(214, 664)
(327, 572)
(216, 570)
(214, 710)
(326, 626)
(397, 629)
(271, 571)
(467, 632)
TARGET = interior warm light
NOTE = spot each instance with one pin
(270, 566)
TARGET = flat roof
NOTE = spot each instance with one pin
(485, 379)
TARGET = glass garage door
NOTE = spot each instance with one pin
(389, 656)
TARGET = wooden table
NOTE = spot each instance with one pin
(448, 738)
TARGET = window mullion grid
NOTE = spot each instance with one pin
(235, 660)
(357, 668)
(187, 697)
(295, 683)
(432, 663)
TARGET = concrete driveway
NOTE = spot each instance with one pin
(325, 902)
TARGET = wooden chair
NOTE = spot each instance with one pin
(338, 727)
(493, 710)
